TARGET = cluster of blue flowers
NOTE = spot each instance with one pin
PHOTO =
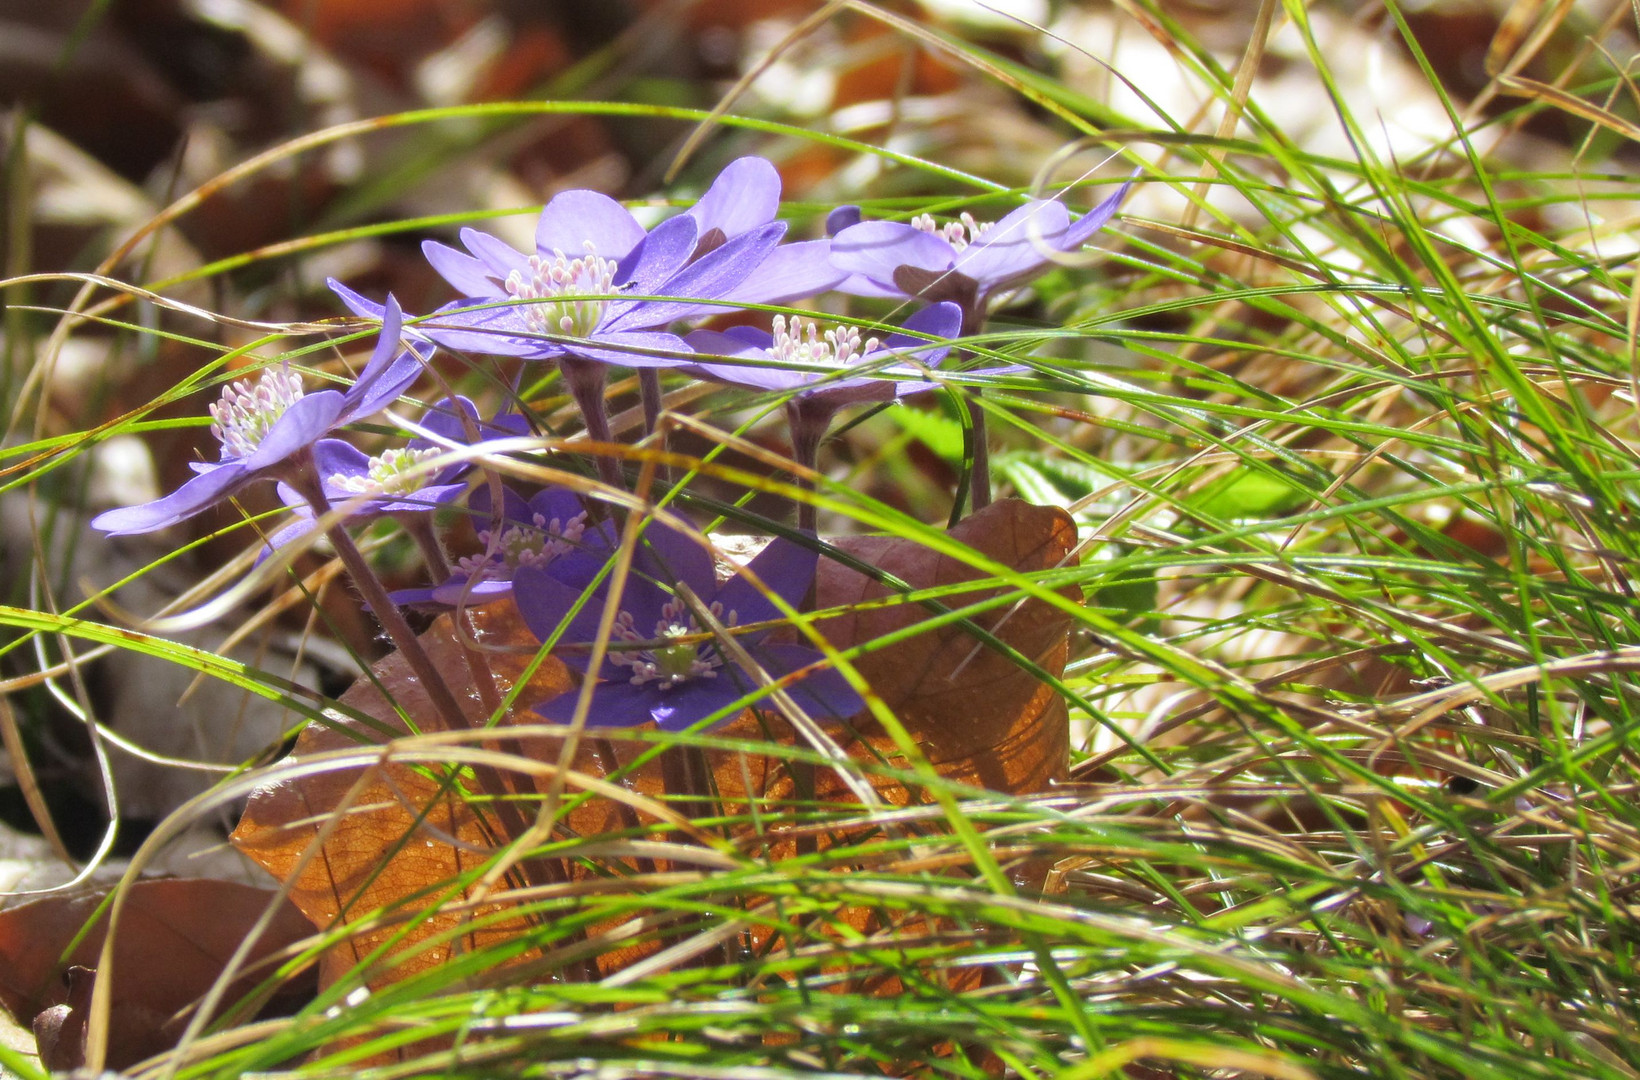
(601, 290)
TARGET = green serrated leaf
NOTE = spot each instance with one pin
(938, 432)
(1029, 480)
(1248, 494)
(1132, 592)
(1045, 479)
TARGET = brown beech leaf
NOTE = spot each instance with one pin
(393, 840)
(976, 714)
(175, 937)
(391, 843)
(978, 717)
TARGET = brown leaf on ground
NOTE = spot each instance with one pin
(175, 937)
(977, 716)
(403, 829)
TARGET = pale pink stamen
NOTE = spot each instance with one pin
(959, 234)
(562, 290)
(391, 472)
(801, 342)
(535, 544)
(669, 665)
(247, 411)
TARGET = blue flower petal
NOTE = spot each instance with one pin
(581, 566)
(333, 458)
(658, 256)
(633, 348)
(513, 506)
(499, 256)
(298, 527)
(860, 285)
(454, 419)
(390, 372)
(575, 218)
(942, 320)
(745, 194)
(708, 277)
(416, 598)
(1018, 246)
(543, 601)
(460, 591)
(557, 503)
(844, 217)
(764, 374)
(424, 500)
(467, 275)
(875, 249)
(685, 705)
(613, 704)
(668, 556)
(1084, 227)
(823, 694)
(198, 493)
(357, 304)
(508, 425)
(387, 341)
(751, 335)
(839, 393)
(791, 272)
(494, 330)
(297, 428)
(785, 567)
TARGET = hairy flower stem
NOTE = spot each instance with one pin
(808, 423)
(603, 753)
(305, 480)
(420, 527)
(387, 613)
(649, 392)
(684, 772)
(803, 774)
(585, 379)
(979, 480)
(649, 389)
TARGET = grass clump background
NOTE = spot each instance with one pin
(1343, 406)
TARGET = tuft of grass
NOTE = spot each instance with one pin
(1348, 427)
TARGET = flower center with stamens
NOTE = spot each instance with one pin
(247, 411)
(959, 234)
(669, 665)
(801, 342)
(535, 544)
(559, 289)
(391, 472)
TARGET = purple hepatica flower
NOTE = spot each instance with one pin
(646, 676)
(818, 394)
(565, 300)
(549, 533)
(798, 357)
(745, 197)
(964, 262)
(390, 482)
(266, 428)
